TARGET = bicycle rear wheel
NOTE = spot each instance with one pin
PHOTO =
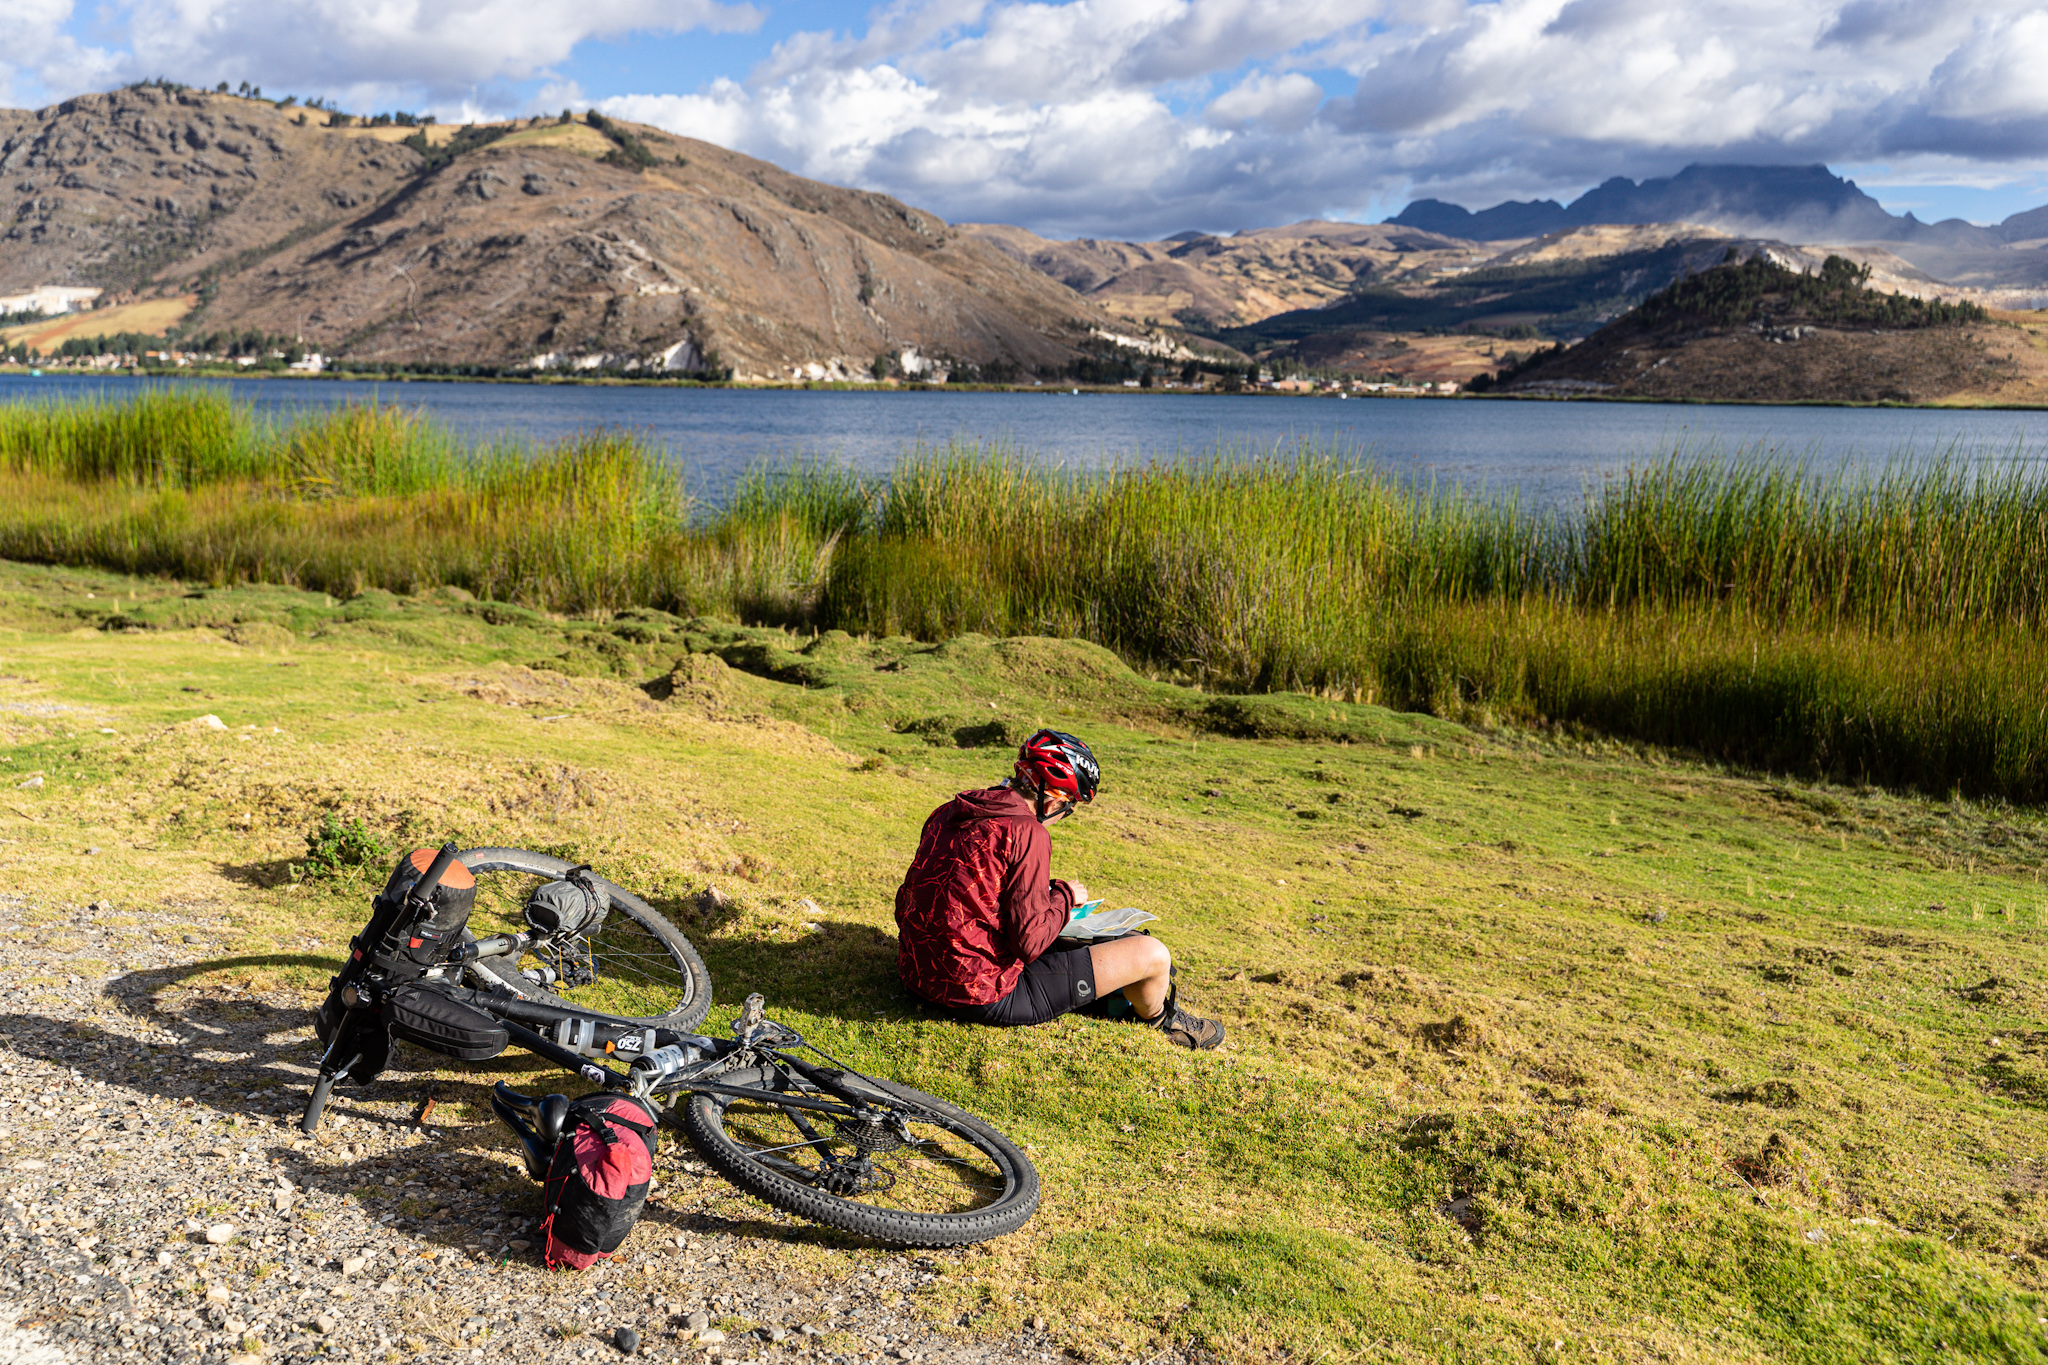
(952, 1180)
(639, 967)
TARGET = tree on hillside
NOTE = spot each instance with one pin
(1737, 292)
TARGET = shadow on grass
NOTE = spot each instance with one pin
(843, 971)
(266, 875)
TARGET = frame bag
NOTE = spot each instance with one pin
(597, 1183)
(422, 1015)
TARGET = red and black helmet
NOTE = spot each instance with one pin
(1056, 761)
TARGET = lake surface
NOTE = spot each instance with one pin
(1546, 453)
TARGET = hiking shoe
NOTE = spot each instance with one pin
(1188, 1030)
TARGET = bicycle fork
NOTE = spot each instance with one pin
(346, 1042)
(316, 1103)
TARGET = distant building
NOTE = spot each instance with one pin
(49, 299)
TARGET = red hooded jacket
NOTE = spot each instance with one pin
(977, 904)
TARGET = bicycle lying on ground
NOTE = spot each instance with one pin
(597, 978)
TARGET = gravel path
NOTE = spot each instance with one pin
(158, 1203)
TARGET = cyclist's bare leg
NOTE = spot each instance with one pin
(1137, 966)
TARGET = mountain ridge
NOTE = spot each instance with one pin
(539, 239)
(1795, 203)
(1207, 282)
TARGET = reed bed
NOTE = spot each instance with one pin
(1940, 544)
(1882, 627)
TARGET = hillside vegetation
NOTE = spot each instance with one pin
(1879, 628)
(1568, 296)
(1758, 331)
(1211, 282)
(1761, 290)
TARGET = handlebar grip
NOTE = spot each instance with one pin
(423, 889)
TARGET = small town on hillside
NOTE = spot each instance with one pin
(37, 318)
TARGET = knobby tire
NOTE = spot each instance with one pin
(1009, 1183)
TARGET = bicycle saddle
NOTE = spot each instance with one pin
(535, 1120)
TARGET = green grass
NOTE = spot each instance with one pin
(1540, 1047)
(1880, 627)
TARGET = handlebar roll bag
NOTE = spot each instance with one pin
(573, 905)
(426, 942)
(424, 1016)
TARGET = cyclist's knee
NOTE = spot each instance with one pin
(1157, 960)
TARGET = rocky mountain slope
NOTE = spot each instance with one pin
(1566, 285)
(508, 243)
(1333, 295)
(1438, 265)
(1208, 283)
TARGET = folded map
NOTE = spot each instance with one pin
(1091, 921)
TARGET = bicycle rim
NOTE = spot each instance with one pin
(636, 965)
(952, 1180)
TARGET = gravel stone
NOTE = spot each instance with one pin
(197, 1226)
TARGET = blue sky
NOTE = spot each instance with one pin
(1142, 117)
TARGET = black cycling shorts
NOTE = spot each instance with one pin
(1062, 980)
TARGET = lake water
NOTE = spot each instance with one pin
(1547, 453)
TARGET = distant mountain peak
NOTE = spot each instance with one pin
(1806, 203)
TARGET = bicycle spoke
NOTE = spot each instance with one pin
(923, 1175)
(950, 1184)
(785, 1147)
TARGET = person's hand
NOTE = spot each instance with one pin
(1078, 892)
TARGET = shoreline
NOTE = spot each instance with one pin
(1047, 390)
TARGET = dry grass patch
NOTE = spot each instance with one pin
(152, 317)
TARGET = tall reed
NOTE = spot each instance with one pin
(164, 439)
(1884, 626)
(1944, 543)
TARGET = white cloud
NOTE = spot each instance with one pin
(39, 56)
(1280, 103)
(1139, 116)
(394, 51)
(1999, 72)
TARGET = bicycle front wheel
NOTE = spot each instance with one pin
(923, 1174)
(637, 966)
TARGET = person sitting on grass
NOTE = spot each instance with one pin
(978, 918)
